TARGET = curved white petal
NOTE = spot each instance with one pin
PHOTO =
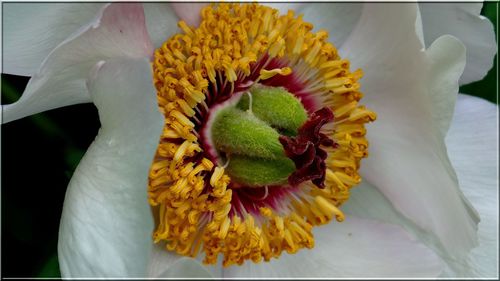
(283, 7)
(106, 223)
(355, 248)
(473, 147)
(366, 201)
(186, 268)
(445, 63)
(463, 21)
(161, 21)
(408, 160)
(167, 264)
(118, 31)
(189, 12)
(472, 143)
(32, 30)
(339, 19)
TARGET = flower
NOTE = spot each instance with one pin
(106, 224)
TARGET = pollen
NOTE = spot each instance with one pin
(198, 208)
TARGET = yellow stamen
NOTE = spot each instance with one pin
(266, 74)
(191, 195)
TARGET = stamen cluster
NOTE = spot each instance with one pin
(196, 206)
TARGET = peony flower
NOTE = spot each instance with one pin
(407, 218)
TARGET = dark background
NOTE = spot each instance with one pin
(39, 154)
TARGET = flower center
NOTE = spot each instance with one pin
(263, 135)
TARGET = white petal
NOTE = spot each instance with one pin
(106, 225)
(283, 7)
(338, 19)
(463, 21)
(161, 21)
(189, 12)
(118, 31)
(32, 30)
(472, 143)
(366, 201)
(408, 160)
(186, 268)
(446, 62)
(355, 248)
(166, 264)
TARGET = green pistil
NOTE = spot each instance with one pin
(276, 107)
(235, 131)
(248, 135)
(260, 172)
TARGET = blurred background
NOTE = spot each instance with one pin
(39, 154)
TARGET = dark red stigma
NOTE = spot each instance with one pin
(304, 149)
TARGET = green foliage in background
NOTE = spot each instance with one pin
(51, 268)
(486, 88)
